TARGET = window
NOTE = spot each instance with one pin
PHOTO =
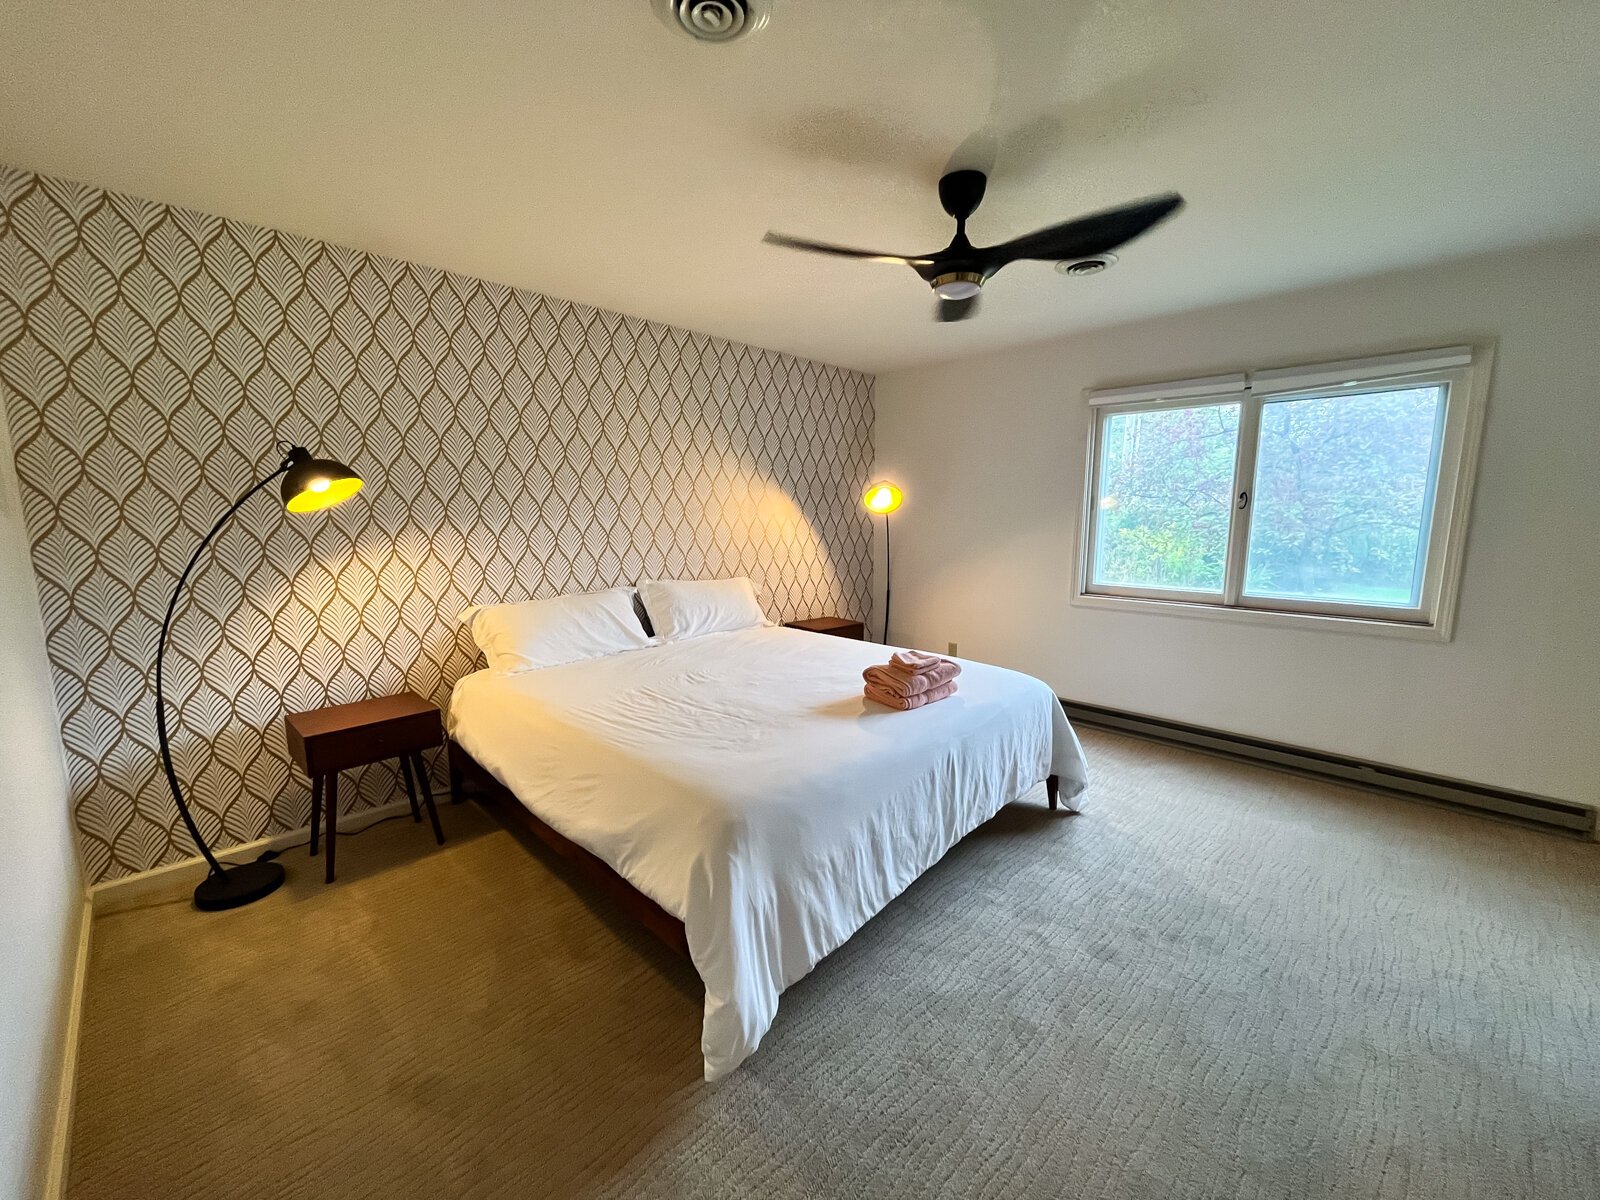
(1332, 491)
(1165, 497)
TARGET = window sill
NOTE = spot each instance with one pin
(1281, 618)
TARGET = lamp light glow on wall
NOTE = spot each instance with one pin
(884, 498)
(309, 485)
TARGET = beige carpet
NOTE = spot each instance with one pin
(1218, 981)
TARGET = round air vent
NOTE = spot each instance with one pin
(714, 20)
(1087, 266)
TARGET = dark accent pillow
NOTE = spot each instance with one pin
(643, 614)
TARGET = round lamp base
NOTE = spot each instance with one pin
(238, 885)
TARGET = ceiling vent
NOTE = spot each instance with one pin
(714, 20)
(1087, 266)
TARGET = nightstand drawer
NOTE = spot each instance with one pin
(351, 735)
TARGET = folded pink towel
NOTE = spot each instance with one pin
(914, 662)
(941, 672)
(903, 684)
(889, 699)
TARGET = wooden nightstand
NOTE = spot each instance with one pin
(328, 740)
(837, 626)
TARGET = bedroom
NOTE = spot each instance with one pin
(1236, 860)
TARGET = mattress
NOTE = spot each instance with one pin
(741, 781)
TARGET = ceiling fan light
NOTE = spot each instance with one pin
(958, 285)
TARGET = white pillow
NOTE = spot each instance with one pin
(562, 629)
(688, 608)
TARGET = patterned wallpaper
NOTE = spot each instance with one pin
(513, 446)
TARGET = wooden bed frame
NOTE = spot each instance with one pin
(465, 772)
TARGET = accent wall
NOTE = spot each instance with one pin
(154, 361)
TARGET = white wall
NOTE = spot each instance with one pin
(991, 452)
(41, 893)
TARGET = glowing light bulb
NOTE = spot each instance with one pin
(882, 497)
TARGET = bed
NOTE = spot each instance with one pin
(758, 809)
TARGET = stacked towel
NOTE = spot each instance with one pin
(911, 679)
(904, 703)
(913, 683)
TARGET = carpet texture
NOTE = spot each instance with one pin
(1217, 981)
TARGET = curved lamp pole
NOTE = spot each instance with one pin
(309, 484)
(884, 498)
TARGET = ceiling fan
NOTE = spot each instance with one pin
(958, 272)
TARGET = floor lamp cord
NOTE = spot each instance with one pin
(886, 580)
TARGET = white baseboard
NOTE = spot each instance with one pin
(55, 1173)
(174, 879)
(1568, 818)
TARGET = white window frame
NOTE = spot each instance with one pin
(1463, 370)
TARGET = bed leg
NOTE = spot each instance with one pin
(1052, 788)
(456, 794)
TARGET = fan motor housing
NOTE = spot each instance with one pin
(714, 22)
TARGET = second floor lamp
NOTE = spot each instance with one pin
(883, 498)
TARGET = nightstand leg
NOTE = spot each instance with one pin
(411, 788)
(333, 820)
(427, 797)
(316, 812)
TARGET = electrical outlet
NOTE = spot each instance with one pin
(952, 649)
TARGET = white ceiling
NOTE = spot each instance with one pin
(584, 150)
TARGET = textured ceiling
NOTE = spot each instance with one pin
(585, 151)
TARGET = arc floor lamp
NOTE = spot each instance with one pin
(309, 484)
(883, 498)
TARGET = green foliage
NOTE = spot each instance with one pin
(1338, 508)
(1166, 482)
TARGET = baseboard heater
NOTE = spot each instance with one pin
(1538, 812)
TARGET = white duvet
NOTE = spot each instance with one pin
(741, 782)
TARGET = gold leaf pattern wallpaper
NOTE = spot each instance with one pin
(152, 360)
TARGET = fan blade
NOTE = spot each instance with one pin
(1087, 236)
(794, 243)
(955, 310)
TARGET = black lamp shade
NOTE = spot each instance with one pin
(313, 483)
